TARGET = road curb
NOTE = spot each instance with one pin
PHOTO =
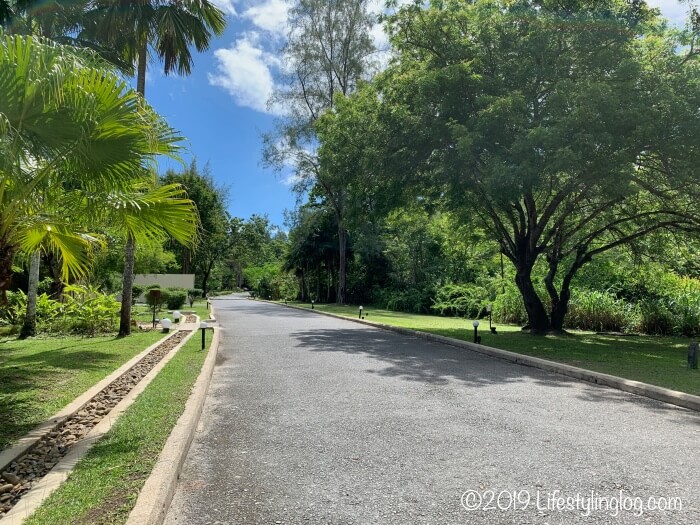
(158, 491)
(22, 445)
(658, 393)
(56, 476)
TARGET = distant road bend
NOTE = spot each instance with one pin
(315, 420)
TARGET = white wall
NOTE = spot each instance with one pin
(164, 280)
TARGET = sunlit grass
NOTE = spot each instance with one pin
(103, 487)
(41, 375)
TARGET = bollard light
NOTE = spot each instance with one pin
(361, 308)
(203, 325)
(166, 324)
(477, 339)
(312, 304)
(177, 316)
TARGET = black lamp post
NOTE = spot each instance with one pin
(361, 308)
(203, 326)
(477, 339)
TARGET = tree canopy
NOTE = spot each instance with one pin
(564, 129)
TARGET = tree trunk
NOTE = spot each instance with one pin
(29, 325)
(342, 248)
(141, 70)
(127, 287)
(130, 246)
(186, 260)
(538, 321)
(7, 256)
(560, 309)
(53, 262)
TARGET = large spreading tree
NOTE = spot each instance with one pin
(565, 129)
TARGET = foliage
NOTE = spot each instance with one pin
(84, 310)
(270, 282)
(210, 201)
(175, 298)
(136, 291)
(558, 156)
(69, 128)
(87, 311)
(465, 300)
(600, 311)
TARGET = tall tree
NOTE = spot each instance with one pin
(169, 28)
(565, 128)
(214, 220)
(328, 52)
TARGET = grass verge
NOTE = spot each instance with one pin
(105, 484)
(655, 360)
(41, 375)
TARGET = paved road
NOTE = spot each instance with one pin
(316, 420)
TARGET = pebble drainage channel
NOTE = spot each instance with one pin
(20, 475)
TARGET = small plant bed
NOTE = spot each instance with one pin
(143, 314)
(657, 360)
(43, 456)
(103, 487)
(39, 376)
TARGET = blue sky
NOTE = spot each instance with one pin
(222, 111)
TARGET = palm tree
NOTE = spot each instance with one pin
(169, 28)
(64, 120)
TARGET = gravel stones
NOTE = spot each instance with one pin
(21, 474)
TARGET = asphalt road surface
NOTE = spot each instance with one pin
(314, 420)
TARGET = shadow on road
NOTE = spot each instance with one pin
(414, 359)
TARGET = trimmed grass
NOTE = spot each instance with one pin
(656, 360)
(41, 375)
(105, 484)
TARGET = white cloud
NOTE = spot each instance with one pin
(226, 6)
(269, 15)
(675, 11)
(245, 70)
(292, 179)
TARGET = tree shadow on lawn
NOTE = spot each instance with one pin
(24, 383)
(414, 359)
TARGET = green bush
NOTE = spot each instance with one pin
(411, 300)
(87, 311)
(463, 300)
(656, 319)
(84, 310)
(196, 292)
(136, 291)
(157, 302)
(175, 298)
(599, 311)
(508, 307)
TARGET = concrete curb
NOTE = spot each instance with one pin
(43, 489)
(158, 491)
(658, 393)
(7, 456)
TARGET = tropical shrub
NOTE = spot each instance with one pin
(175, 298)
(463, 300)
(599, 311)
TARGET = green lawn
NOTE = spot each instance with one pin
(39, 376)
(657, 360)
(144, 313)
(104, 485)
